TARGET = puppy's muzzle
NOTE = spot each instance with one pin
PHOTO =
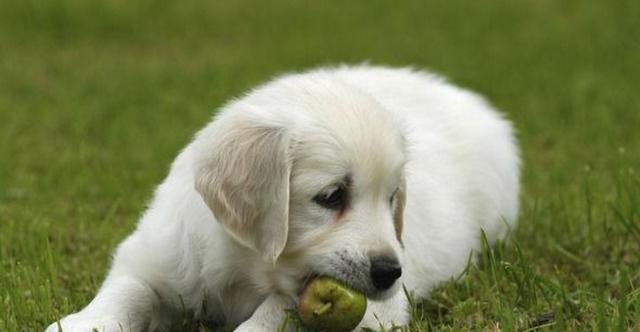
(385, 270)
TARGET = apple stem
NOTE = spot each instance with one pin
(323, 309)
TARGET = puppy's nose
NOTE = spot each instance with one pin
(384, 271)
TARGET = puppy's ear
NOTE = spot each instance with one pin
(243, 176)
(398, 212)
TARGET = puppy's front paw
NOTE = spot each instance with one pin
(269, 316)
(253, 326)
(78, 323)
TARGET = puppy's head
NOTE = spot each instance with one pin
(314, 184)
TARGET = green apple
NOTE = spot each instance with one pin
(328, 305)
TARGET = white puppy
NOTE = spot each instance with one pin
(313, 174)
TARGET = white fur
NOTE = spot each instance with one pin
(233, 232)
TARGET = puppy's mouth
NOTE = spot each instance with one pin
(368, 290)
(304, 281)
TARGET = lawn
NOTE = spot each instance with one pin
(96, 98)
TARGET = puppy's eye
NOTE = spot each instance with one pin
(334, 197)
(393, 196)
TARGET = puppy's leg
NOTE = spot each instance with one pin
(123, 304)
(387, 313)
(269, 316)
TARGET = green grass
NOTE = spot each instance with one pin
(96, 98)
